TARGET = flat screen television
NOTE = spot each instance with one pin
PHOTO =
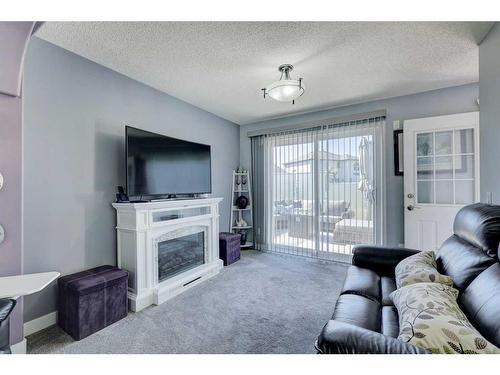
(158, 165)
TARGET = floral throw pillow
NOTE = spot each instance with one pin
(420, 268)
(429, 317)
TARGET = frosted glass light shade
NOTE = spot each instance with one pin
(285, 90)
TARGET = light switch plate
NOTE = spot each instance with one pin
(1, 181)
(2, 234)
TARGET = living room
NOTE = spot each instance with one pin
(209, 185)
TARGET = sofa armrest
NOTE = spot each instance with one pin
(344, 338)
(6, 307)
(380, 259)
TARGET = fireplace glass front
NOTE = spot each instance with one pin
(180, 254)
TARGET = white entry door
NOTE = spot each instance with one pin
(441, 175)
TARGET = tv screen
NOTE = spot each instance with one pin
(159, 165)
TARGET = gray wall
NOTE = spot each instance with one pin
(74, 117)
(489, 83)
(14, 37)
(432, 103)
(10, 199)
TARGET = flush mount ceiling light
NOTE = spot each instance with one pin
(286, 89)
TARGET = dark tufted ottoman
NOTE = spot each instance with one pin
(91, 300)
(229, 247)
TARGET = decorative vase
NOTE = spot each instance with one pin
(241, 223)
(242, 202)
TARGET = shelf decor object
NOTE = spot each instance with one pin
(242, 202)
(241, 208)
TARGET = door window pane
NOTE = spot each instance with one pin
(444, 192)
(425, 170)
(444, 167)
(464, 192)
(444, 143)
(464, 141)
(424, 144)
(425, 191)
(464, 166)
(446, 171)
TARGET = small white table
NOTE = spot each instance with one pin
(22, 285)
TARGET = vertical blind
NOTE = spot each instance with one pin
(315, 189)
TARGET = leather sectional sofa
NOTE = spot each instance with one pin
(366, 321)
(6, 307)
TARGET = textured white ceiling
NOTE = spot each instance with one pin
(222, 66)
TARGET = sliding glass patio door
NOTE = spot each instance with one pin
(317, 189)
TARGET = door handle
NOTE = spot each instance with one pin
(411, 207)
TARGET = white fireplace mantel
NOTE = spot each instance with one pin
(140, 227)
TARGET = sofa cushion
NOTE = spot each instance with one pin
(390, 321)
(387, 286)
(478, 225)
(359, 311)
(420, 268)
(429, 317)
(363, 282)
(481, 303)
(462, 261)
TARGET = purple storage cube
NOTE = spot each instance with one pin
(91, 300)
(229, 247)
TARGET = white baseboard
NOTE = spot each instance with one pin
(40, 323)
(19, 348)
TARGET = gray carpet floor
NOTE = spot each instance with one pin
(264, 303)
